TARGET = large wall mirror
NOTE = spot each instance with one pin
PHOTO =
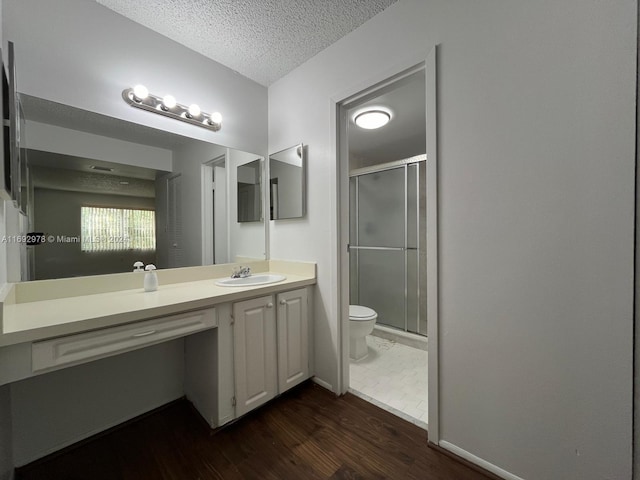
(106, 193)
(287, 177)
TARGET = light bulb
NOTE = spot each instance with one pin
(140, 92)
(216, 117)
(194, 110)
(169, 101)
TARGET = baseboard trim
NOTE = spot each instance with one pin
(469, 458)
(323, 384)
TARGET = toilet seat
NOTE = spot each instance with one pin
(359, 313)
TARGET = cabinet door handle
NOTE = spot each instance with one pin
(144, 334)
(269, 305)
(283, 302)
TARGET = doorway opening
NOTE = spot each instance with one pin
(215, 249)
(387, 246)
(387, 243)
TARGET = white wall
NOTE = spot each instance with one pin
(51, 138)
(60, 408)
(536, 200)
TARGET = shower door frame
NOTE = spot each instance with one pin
(404, 163)
(340, 103)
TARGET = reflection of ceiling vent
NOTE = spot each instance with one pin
(100, 169)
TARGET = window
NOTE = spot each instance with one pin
(117, 229)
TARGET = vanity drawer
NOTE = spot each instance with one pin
(105, 342)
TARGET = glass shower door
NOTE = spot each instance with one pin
(385, 244)
(379, 247)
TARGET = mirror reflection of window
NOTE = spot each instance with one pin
(115, 229)
(287, 183)
(249, 192)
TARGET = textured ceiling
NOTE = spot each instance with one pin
(261, 39)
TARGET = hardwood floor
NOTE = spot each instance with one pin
(308, 433)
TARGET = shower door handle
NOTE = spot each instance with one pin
(395, 249)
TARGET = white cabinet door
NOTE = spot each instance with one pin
(255, 356)
(293, 339)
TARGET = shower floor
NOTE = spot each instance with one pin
(394, 377)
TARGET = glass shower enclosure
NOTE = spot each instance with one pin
(388, 242)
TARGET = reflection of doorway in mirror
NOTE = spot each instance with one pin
(174, 221)
(214, 206)
(274, 203)
(248, 198)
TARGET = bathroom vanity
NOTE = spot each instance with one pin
(243, 345)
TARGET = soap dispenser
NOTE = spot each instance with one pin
(138, 266)
(150, 278)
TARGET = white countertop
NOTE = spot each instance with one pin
(37, 320)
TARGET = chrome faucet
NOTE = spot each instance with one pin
(241, 272)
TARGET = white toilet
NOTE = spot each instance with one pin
(361, 322)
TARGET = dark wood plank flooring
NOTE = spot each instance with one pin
(307, 433)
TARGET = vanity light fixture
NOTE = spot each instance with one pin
(140, 97)
(372, 118)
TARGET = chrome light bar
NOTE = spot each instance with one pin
(140, 97)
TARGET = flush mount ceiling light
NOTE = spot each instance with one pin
(372, 118)
(139, 97)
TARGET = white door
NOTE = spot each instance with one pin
(215, 227)
(174, 221)
(220, 225)
(255, 358)
(293, 339)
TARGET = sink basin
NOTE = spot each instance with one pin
(260, 279)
